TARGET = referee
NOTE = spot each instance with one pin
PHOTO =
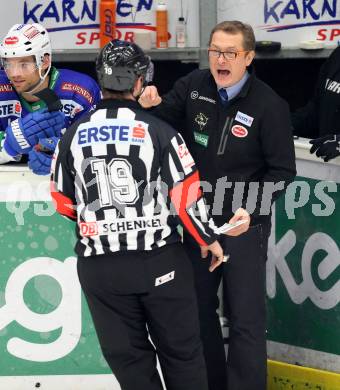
(128, 179)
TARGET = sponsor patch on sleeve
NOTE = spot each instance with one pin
(10, 108)
(185, 157)
(71, 107)
(78, 89)
(6, 88)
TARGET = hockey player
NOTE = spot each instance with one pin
(119, 173)
(320, 117)
(24, 119)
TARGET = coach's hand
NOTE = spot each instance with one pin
(240, 215)
(150, 97)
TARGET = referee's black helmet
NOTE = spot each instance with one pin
(119, 64)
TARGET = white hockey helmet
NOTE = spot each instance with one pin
(26, 40)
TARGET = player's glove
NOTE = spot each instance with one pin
(23, 133)
(326, 147)
(40, 157)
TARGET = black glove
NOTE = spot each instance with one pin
(326, 147)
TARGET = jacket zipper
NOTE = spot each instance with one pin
(224, 136)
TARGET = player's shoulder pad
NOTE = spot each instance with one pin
(79, 85)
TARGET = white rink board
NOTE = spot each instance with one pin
(287, 21)
(26, 187)
(75, 26)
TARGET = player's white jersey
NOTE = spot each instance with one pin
(128, 179)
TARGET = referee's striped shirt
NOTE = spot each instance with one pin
(127, 179)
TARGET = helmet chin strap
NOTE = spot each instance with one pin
(139, 93)
(42, 79)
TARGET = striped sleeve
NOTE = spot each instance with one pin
(181, 176)
(62, 186)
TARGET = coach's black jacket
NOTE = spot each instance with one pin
(249, 140)
(321, 116)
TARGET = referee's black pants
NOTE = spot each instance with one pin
(125, 304)
(244, 286)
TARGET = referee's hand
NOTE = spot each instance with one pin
(217, 257)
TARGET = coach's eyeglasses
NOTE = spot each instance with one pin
(227, 55)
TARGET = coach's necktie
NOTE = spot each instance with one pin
(224, 95)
